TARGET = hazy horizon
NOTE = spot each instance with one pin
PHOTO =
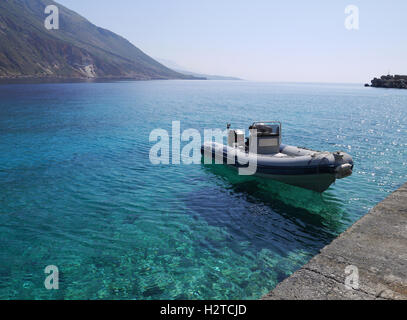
(261, 40)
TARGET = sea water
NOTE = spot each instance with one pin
(78, 190)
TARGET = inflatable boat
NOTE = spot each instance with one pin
(263, 154)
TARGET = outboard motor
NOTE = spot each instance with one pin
(268, 136)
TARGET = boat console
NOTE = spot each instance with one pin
(268, 134)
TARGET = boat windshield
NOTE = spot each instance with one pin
(272, 128)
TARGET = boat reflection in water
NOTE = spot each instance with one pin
(297, 204)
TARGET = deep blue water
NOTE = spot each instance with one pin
(77, 189)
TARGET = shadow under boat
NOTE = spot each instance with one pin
(292, 202)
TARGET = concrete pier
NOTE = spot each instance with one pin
(376, 245)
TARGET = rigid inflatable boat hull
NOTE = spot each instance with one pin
(297, 166)
(316, 182)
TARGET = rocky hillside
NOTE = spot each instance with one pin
(78, 49)
(396, 81)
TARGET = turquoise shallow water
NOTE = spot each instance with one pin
(77, 189)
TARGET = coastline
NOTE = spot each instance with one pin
(34, 80)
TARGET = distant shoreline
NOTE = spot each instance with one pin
(36, 80)
(50, 80)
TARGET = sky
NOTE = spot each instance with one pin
(262, 40)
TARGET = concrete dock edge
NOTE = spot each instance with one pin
(368, 261)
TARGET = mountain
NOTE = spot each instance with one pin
(174, 66)
(78, 49)
(207, 76)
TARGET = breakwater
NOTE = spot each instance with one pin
(368, 261)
